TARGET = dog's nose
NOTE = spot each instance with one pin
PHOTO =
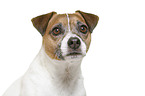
(74, 43)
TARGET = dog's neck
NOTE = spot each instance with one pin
(60, 71)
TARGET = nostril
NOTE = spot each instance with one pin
(74, 43)
(71, 42)
(78, 41)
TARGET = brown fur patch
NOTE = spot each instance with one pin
(50, 42)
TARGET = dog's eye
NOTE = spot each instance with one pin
(83, 29)
(56, 31)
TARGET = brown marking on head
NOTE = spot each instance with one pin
(53, 27)
(51, 41)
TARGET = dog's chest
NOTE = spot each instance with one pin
(60, 88)
(61, 85)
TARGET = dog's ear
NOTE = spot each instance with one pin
(90, 19)
(41, 22)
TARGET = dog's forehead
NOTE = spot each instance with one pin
(63, 18)
(57, 18)
(76, 17)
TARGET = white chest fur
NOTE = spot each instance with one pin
(47, 77)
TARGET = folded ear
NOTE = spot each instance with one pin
(90, 19)
(41, 22)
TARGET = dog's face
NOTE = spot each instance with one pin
(66, 36)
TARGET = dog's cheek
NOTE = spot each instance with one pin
(88, 41)
(51, 47)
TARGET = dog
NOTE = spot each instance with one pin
(56, 69)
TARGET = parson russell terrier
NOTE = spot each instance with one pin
(56, 69)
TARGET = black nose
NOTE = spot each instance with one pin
(74, 43)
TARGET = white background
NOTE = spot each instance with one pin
(115, 63)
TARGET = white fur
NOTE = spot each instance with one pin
(68, 22)
(47, 77)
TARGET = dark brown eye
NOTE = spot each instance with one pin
(56, 31)
(83, 29)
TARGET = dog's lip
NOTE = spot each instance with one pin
(74, 54)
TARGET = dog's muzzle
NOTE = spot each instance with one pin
(72, 46)
(74, 49)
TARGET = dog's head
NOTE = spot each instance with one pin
(66, 36)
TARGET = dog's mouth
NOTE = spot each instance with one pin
(74, 54)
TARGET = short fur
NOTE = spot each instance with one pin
(56, 70)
